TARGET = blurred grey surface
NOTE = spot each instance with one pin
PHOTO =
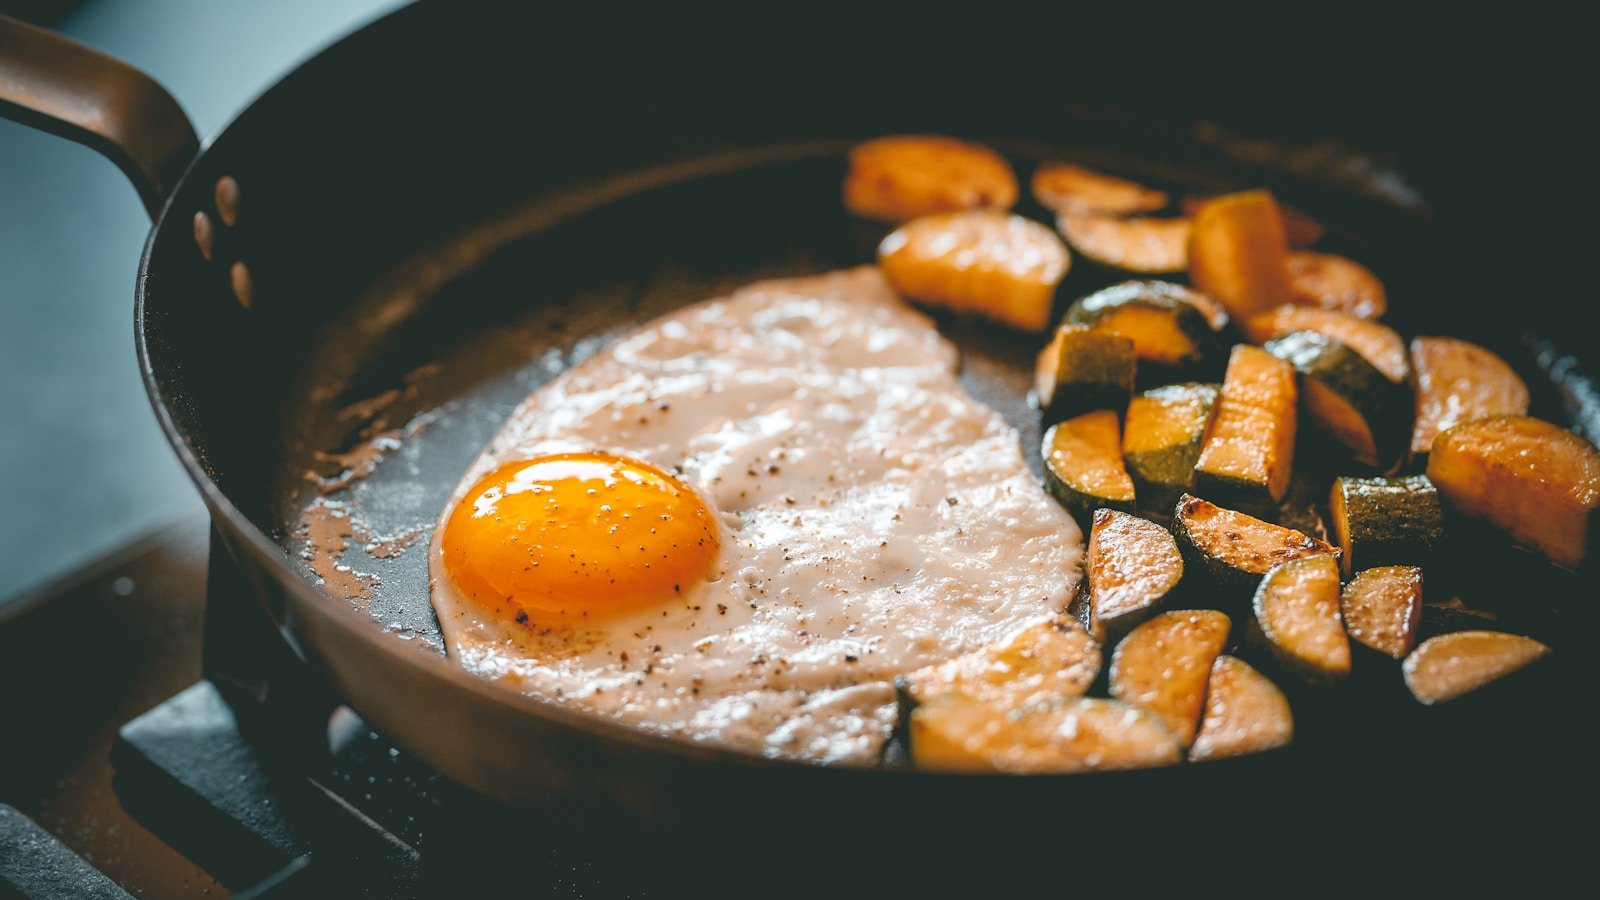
(83, 468)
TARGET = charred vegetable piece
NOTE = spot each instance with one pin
(1144, 246)
(1345, 396)
(1334, 282)
(1300, 229)
(1166, 322)
(1245, 713)
(1083, 369)
(1132, 565)
(1083, 464)
(1297, 613)
(1238, 253)
(1247, 456)
(1060, 187)
(1450, 665)
(1382, 608)
(1237, 548)
(1535, 481)
(903, 177)
(1163, 665)
(997, 265)
(1377, 343)
(1161, 440)
(1385, 521)
(1457, 382)
(1048, 659)
(1076, 734)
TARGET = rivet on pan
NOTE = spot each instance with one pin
(203, 234)
(242, 290)
(228, 200)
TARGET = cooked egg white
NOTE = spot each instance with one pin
(739, 523)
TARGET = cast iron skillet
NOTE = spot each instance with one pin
(443, 210)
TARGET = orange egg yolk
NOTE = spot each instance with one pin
(578, 535)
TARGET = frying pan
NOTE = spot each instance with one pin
(427, 220)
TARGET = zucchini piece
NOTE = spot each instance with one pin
(1238, 253)
(1163, 665)
(1296, 611)
(1300, 229)
(1165, 321)
(1162, 437)
(1247, 456)
(1060, 186)
(1145, 246)
(1334, 282)
(1245, 713)
(1347, 397)
(1048, 659)
(1073, 734)
(1537, 482)
(997, 265)
(1385, 521)
(1236, 548)
(1382, 608)
(1451, 665)
(1378, 343)
(899, 178)
(1082, 369)
(1457, 382)
(1083, 464)
(1132, 565)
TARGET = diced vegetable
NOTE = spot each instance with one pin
(1076, 734)
(1450, 665)
(1247, 456)
(1378, 343)
(1163, 665)
(1161, 440)
(1083, 464)
(1535, 481)
(1238, 253)
(1245, 713)
(1300, 229)
(1382, 608)
(1144, 245)
(995, 264)
(1236, 548)
(1165, 321)
(1457, 382)
(1297, 613)
(1347, 397)
(1386, 521)
(1060, 186)
(1083, 369)
(1132, 565)
(904, 177)
(1049, 659)
(1334, 282)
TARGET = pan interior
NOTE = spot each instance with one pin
(404, 388)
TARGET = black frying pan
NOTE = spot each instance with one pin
(423, 223)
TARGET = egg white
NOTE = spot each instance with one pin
(874, 519)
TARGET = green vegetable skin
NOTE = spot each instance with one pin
(1196, 339)
(1162, 465)
(1383, 405)
(1386, 521)
(1092, 370)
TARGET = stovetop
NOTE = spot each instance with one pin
(127, 772)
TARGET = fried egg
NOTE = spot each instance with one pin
(738, 523)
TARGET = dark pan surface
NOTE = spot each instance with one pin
(428, 194)
(474, 325)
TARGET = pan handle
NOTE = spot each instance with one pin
(58, 85)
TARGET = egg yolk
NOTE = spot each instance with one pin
(578, 535)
